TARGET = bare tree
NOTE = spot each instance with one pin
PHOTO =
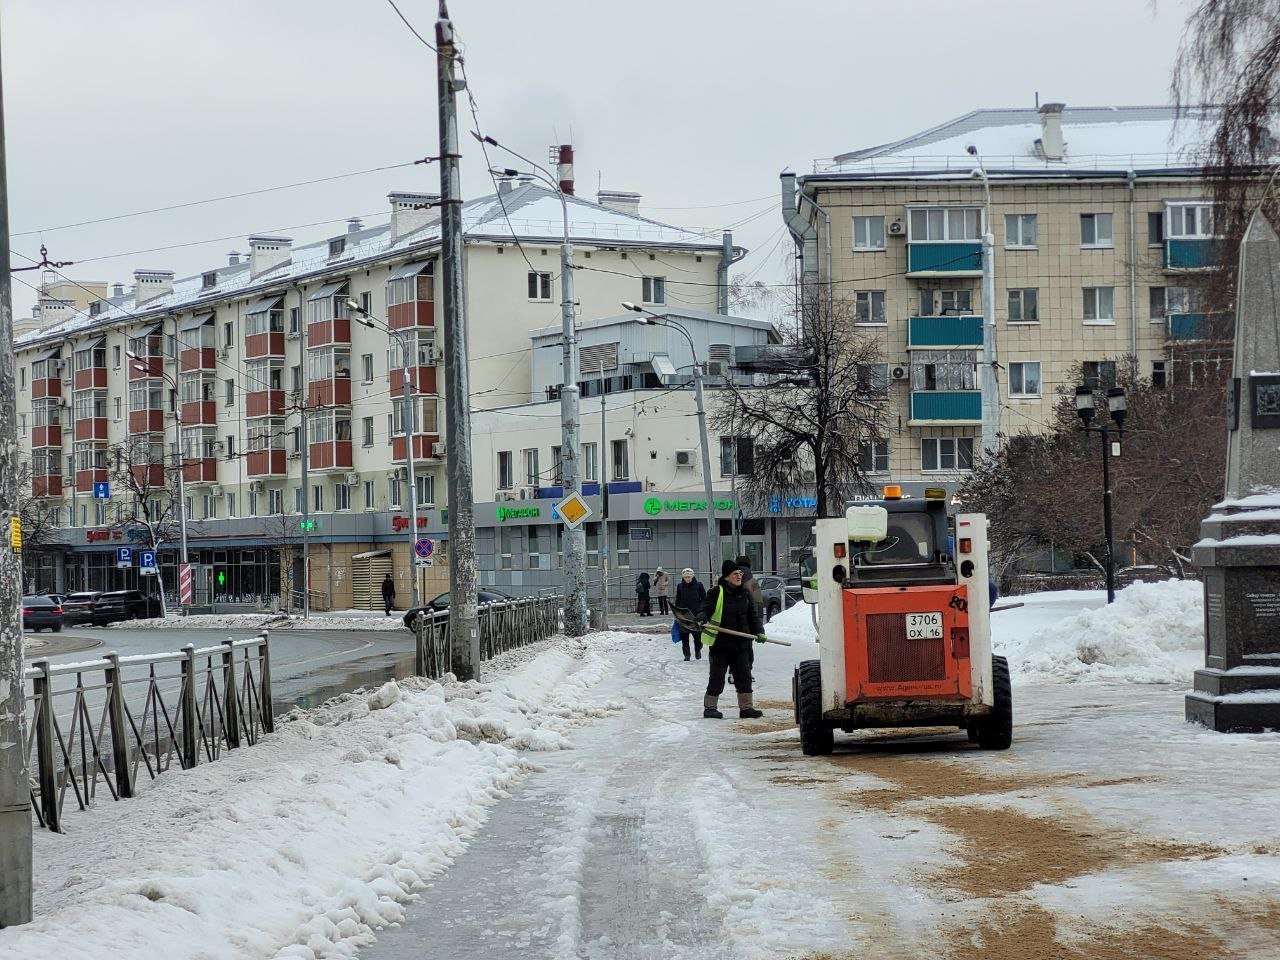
(149, 480)
(1230, 58)
(38, 520)
(280, 531)
(823, 401)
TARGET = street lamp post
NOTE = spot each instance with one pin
(575, 553)
(1117, 407)
(713, 538)
(990, 385)
(410, 421)
(182, 486)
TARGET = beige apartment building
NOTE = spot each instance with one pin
(1099, 220)
(231, 361)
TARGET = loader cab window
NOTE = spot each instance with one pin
(910, 539)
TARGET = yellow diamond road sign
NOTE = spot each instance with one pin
(573, 510)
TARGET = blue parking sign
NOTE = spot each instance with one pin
(146, 561)
(124, 556)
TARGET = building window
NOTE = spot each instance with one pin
(229, 390)
(231, 445)
(317, 498)
(367, 430)
(295, 378)
(1024, 378)
(366, 365)
(737, 458)
(171, 341)
(531, 474)
(873, 378)
(506, 547)
(557, 467)
(231, 505)
(368, 494)
(590, 462)
(946, 453)
(868, 306)
(1099, 304)
(943, 224)
(253, 503)
(295, 319)
(228, 335)
(943, 370)
(1189, 221)
(393, 492)
(22, 377)
(119, 406)
(868, 233)
(536, 542)
(1024, 305)
(1155, 229)
(873, 456)
(1020, 231)
(539, 286)
(341, 497)
(337, 245)
(1099, 374)
(1158, 302)
(622, 544)
(653, 290)
(944, 302)
(1095, 230)
(619, 459)
(115, 357)
(366, 302)
(426, 484)
(593, 544)
(506, 478)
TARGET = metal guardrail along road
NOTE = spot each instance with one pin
(503, 626)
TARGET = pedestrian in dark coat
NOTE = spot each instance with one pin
(662, 588)
(729, 605)
(388, 595)
(690, 595)
(642, 595)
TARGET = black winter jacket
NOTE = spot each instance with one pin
(689, 596)
(739, 612)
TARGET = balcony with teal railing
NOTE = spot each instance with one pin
(1188, 327)
(946, 406)
(950, 259)
(1190, 253)
(940, 333)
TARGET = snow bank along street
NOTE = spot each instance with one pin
(1111, 829)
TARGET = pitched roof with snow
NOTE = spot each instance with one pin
(529, 213)
(1147, 140)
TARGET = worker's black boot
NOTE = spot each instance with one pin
(709, 711)
(745, 710)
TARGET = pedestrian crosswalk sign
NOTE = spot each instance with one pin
(573, 510)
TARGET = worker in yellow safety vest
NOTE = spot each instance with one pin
(729, 606)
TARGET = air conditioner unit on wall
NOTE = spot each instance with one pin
(438, 449)
(900, 373)
(399, 473)
(255, 486)
(897, 229)
(717, 368)
(527, 493)
(215, 491)
(353, 479)
(685, 458)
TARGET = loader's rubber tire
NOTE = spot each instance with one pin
(972, 730)
(995, 731)
(817, 739)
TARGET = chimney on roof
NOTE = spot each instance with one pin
(504, 186)
(562, 157)
(149, 284)
(1050, 145)
(620, 200)
(268, 252)
(410, 212)
(233, 258)
(354, 225)
(117, 290)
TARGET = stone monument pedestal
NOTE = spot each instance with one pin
(1238, 689)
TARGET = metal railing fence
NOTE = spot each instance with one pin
(503, 626)
(96, 724)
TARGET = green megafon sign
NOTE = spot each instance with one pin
(654, 506)
(513, 513)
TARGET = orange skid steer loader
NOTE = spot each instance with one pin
(904, 629)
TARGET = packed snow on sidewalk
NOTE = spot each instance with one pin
(1153, 633)
(299, 846)
(341, 620)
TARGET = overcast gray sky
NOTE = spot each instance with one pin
(697, 104)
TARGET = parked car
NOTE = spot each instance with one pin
(40, 613)
(441, 602)
(124, 605)
(79, 607)
(776, 595)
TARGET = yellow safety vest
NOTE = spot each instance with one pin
(712, 626)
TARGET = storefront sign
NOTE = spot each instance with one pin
(402, 523)
(776, 504)
(655, 506)
(513, 513)
(101, 536)
(642, 533)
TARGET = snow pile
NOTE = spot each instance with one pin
(300, 846)
(1153, 633)
(795, 625)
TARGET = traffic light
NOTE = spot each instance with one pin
(222, 578)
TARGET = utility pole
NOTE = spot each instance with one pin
(15, 786)
(604, 507)
(989, 383)
(464, 633)
(305, 525)
(575, 547)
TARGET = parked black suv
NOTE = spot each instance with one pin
(124, 605)
(79, 607)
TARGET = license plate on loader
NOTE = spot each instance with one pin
(924, 626)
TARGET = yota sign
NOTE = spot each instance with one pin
(514, 513)
(656, 505)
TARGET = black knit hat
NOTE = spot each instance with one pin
(728, 567)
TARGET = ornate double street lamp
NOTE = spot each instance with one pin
(1117, 408)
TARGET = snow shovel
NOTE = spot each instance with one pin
(689, 622)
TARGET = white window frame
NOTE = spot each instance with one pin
(1018, 375)
(1016, 238)
(1093, 298)
(1095, 220)
(1175, 220)
(341, 497)
(506, 470)
(868, 234)
(531, 473)
(653, 290)
(945, 448)
(591, 462)
(542, 284)
(948, 215)
(868, 308)
(877, 451)
(1022, 304)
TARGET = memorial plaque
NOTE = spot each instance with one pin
(1264, 406)
(1215, 618)
(1233, 403)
